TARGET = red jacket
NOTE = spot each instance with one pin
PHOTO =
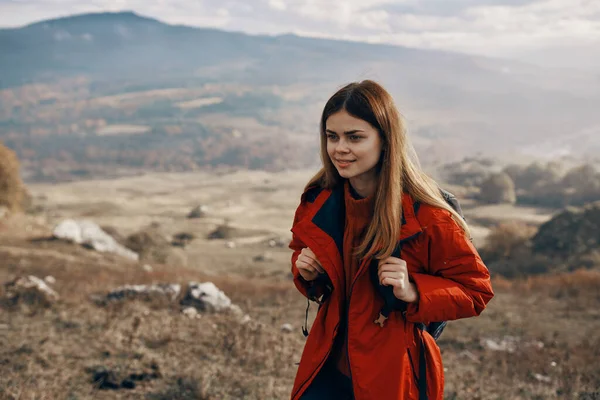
(451, 279)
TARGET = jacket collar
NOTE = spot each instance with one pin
(328, 215)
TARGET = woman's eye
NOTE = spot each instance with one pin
(331, 136)
(354, 137)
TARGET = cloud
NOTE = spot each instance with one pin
(448, 8)
(491, 27)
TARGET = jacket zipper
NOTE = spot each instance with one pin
(348, 312)
(348, 334)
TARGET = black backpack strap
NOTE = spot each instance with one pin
(322, 281)
(453, 201)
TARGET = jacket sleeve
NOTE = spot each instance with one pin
(310, 289)
(457, 283)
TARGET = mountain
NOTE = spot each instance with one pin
(455, 104)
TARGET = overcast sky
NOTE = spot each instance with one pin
(490, 27)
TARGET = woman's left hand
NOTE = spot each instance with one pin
(393, 272)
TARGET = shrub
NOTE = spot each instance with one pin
(12, 191)
(498, 188)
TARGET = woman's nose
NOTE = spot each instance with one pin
(342, 146)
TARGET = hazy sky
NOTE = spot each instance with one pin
(491, 27)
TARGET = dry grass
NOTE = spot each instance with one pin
(56, 353)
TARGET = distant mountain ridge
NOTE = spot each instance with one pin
(455, 104)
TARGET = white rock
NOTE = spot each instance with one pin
(508, 344)
(191, 312)
(287, 328)
(206, 297)
(50, 280)
(236, 310)
(542, 378)
(90, 234)
(245, 319)
(148, 268)
(230, 245)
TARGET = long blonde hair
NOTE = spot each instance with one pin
(399, 169)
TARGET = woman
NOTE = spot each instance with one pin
(368, 222)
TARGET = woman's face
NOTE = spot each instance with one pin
(354, 146)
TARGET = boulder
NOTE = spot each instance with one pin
(198, 212)
(572, 233)
(29, 290)
(182, 239)
(223, 232)
(206, 297)
(91, 235)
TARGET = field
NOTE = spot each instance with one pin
(537, 339)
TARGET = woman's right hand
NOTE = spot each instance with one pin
(308, 265)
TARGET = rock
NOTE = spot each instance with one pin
(104, 378)
(198, 212)
(571, 234)
(230, 245)
(206, 297)
(542, 378)
(277, 242)
(182, 239)
(245, 319)
(507, 344)
(112, 231)
(191, 312)
(236, 310)
(114, 378)
(50, 280)
(223, 232)
(287, 328)
(145, 292)
(3, 212)
(148, 268)
(91, 235)
(267, 256)
(29, 290)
